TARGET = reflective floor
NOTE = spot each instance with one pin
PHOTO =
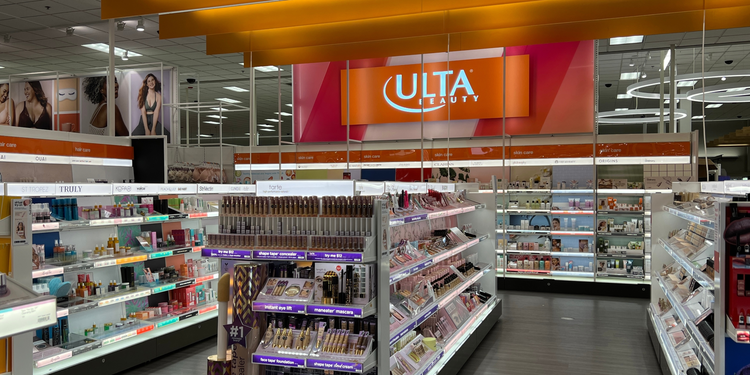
(566, 334)
(537, 334)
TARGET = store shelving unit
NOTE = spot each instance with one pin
(78, 351)
(676, 308)
(477, 211)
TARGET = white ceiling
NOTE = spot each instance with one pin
(721, 46)
(39, 43)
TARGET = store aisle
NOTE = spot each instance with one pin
(542, 333)
(534, 336)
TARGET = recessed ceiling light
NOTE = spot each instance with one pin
(266, 126)
(267, 69)
(628, 76)
(266, 130)
(211, 122)
(227, 100)
(686, 83)
(289, 105)
(621, 109)
(283, 113)
(140, 26)
(205, 135)
(626, 40)
(103, 47)
(216, 116)
(273, 120)
(714, 105)
(236, 89)
(698, 117)
(624, 96)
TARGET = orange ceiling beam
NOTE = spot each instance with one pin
(525, 35)
(442, 22)
(291, 13)
(132, 8)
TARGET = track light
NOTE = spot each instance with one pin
(632, 63)
(709, 57)
(140, 26)
(120, 25)
(69, 31)
(643, 74)
(125, 56)
(7, 38)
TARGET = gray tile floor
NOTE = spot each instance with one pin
(537, 334)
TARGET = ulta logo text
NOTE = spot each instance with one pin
(431, 101)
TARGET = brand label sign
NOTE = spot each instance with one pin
(466, 89)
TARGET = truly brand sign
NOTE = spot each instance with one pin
(465, 89)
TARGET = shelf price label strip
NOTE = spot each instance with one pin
(432, 215)
(290, 308)
(279, 255)
(29, 317)
(332, 310)
(708, 223)
(323, 364)
(227, 253)
(336, 257)
(278, 361)
(47, 272)
(126, 297)
(54, 359)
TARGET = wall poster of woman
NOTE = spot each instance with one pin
(149, 103)
(35, 111)
(95, 90)
(7, 108)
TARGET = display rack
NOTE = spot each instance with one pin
(66, 345)
(683, 288)
(473, 213)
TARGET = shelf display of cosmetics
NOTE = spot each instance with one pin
(335, 229)
(685, 317)
(56, 343)
(441, 332)
(67, 213)
(408, 208)
(407, 258)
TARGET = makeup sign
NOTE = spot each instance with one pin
(334, 365)
(456, 90)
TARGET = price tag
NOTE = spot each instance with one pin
(208, 309)
(162, 254)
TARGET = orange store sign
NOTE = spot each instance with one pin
(456, 90)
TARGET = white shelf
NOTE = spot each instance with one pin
(552, 253)
(527, 211)
(688, 320)
(410, 269)
(572, 212)
(621, 191)
(691, 217)
(571, 233)
(429, 215)
(432, 308)
(690, 266)
(608, 212)
(572, 191)
(673, 361)
(522, 231)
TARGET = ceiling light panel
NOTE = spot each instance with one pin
(625, 40)
(236, 89)
(216, 116)
(629, 76)
(624, 96)
(714, 105)
(227, 100)
(103, 47)
(686, 83)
